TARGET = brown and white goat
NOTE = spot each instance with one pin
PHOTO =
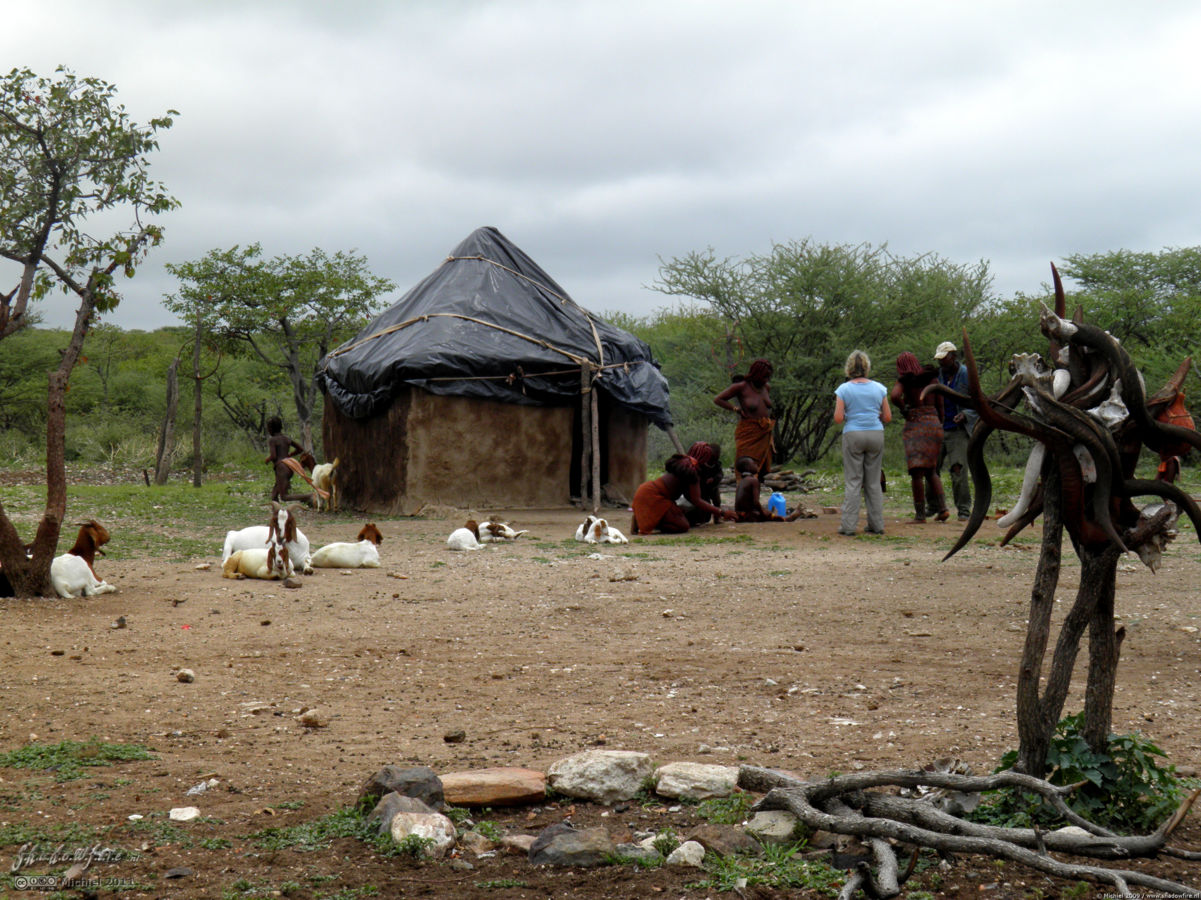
(256, 537)
(73, 574)
(465, 538)
(364, 554)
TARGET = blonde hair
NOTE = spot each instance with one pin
(859, 365)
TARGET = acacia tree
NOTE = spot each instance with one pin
(289, 311)
(70, 157)
(806, 305)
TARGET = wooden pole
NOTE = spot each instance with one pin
(585, 432)
(596, 485)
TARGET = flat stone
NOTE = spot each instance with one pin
(502, 786)
(567, 846)
(695, 781)
(607, 776)
(725, 840)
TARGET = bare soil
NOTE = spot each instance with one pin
(784, 645)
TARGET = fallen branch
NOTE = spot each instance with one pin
(830, 805)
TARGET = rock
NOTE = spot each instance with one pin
(503, 786)
(725, 840)
(476, 843)
(639, 852)
(455, 737)
(689, 853)
(695, 781)
(313, 718)
(607, 776)
(434, 827)
(389, 805)
(518, 843)
(420, 782)
(293, 582)
(773, 826)
(183, 814)
(562, 845)
(178, 872)
(187, 676)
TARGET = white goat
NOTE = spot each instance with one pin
(465, 538)
(323, 480)
(344, 555)
(495, 531)
(595, 530)
(256, 537)
(72, 574)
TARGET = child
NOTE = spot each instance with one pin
(280, 447)
(746, 499)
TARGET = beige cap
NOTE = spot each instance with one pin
(943, 349)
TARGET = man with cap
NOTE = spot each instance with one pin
(957, 428)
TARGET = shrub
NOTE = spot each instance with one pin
(1124, 788)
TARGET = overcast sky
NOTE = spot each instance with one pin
(603, 136)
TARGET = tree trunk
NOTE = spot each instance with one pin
(197, 409)
(1034, 738)
(166, 435)
(1099, 573)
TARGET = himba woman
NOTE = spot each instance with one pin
(922, 434)
(655, 504)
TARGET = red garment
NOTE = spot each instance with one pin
(652, 501)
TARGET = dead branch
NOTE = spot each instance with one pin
(844, 805)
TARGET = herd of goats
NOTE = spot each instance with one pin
(279, 549)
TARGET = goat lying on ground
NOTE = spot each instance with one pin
(344, 555)
(270, 561)
(256, 537)
(594, 530)
(72, 574)
(323, 480)
(495, 530)
(465, 538)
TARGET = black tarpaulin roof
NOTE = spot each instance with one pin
(490, 323)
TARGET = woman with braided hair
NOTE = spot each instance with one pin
(709, 475)
(922, 434)
(753, 434)
(655, 504)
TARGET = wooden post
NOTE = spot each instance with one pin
(585, 432)
(596, 485)
(197, 410)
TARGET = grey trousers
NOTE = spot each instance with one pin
(954, 454)
(862, 457)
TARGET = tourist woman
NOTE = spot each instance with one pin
(861, 407)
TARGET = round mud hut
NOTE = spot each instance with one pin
(487, 387)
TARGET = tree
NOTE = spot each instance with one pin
(288, 311)
(71, 158)
(806, 305)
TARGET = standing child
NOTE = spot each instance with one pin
(280, 447)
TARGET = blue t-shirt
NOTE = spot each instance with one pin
(862, 402)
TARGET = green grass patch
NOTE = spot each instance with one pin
(779, 867)
(68, 759)
(726, 810)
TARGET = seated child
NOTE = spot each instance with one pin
(746, 499)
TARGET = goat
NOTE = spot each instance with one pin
(72, 574)
(495, 530)
(465, 538)
(323, 480)
(256, 537)
(269, 562)
(595, 530)
(345, 555)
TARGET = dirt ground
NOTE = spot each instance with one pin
(784, 645)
